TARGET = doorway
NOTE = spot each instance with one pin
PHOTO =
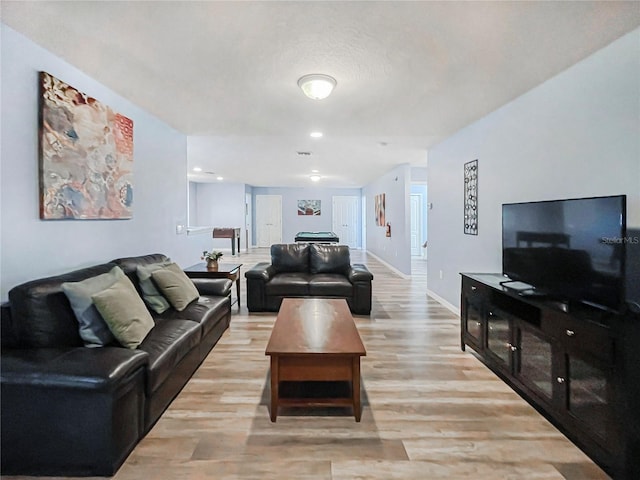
(248, 221)
(345, 219)
(417, 216)
(268, 220)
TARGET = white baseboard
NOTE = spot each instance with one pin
(444, 303)
(390, 267)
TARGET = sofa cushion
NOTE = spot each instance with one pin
(125, 313)
(293, 257)
(330, 285)
(283, 284)
(150, 293)
(41, 314)
(129, 265)
(167, 343)
(208, 311)
(92, 327)
(329, 258)
(176, 286)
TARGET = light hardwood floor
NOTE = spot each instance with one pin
(430, 410)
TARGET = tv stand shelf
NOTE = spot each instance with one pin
(577, 365)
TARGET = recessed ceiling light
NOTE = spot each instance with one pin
(219, 178)
(316, 134)
(197, 169)
(315, 171)
(315, 178)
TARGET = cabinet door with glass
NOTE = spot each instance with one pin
(588, 394)
(473, 325)
(501, 346)
(534, 361)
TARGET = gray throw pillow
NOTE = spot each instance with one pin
(124, 312)
(150, 293)
(93, 329)
(176, 286)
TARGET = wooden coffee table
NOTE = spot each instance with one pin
(315, 340)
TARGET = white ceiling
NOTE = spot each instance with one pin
(409, 73)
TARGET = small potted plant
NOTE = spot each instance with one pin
(211, 258)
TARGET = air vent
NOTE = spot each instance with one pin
(304, 153)
(210, 173)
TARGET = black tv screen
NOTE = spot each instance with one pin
(570, 250)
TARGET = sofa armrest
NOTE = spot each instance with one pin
(217, 287)
(262, 271)
(359, 273)
(70, 411)
(77, 367)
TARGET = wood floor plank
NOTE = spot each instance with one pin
(430, 410)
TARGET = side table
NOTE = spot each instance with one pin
(225, 270)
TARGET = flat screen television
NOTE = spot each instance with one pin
(571, 250)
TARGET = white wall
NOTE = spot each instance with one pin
(219, 205)
(293, 223)
(32, 248)
(394, 250)
(576, 135)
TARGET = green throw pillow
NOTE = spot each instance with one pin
(124, 312)
(150, 293)
(176, 286)
(92, 328)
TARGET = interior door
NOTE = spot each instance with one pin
(268, 220)
(416, 224)
(248, 221)
(345, 219)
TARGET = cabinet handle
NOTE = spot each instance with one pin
(474, 288)
(570, 333)
(560, 380)
(513, 348)
(491, 314)
(478, 324)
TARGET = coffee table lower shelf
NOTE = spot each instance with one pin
(315, 394)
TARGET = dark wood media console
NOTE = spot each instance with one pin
(578, 366)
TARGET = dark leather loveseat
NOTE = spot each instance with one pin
(76, 411)
(308, 270)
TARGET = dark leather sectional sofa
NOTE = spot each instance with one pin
(76, 411)
(308, 270)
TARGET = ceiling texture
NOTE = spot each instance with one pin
(409, 74)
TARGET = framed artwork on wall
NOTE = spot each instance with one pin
(471, 197)
(85, 156)
(379, 201)
(309, 207)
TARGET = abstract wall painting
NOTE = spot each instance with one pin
(309, 207)
(471, 197)
(379, 201)
(86, 156)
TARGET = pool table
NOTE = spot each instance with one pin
(317, 237)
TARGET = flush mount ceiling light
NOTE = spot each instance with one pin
(197, 169)
(316, 85)
(315, 178)
(315, 134)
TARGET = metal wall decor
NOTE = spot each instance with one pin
(471, 198)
